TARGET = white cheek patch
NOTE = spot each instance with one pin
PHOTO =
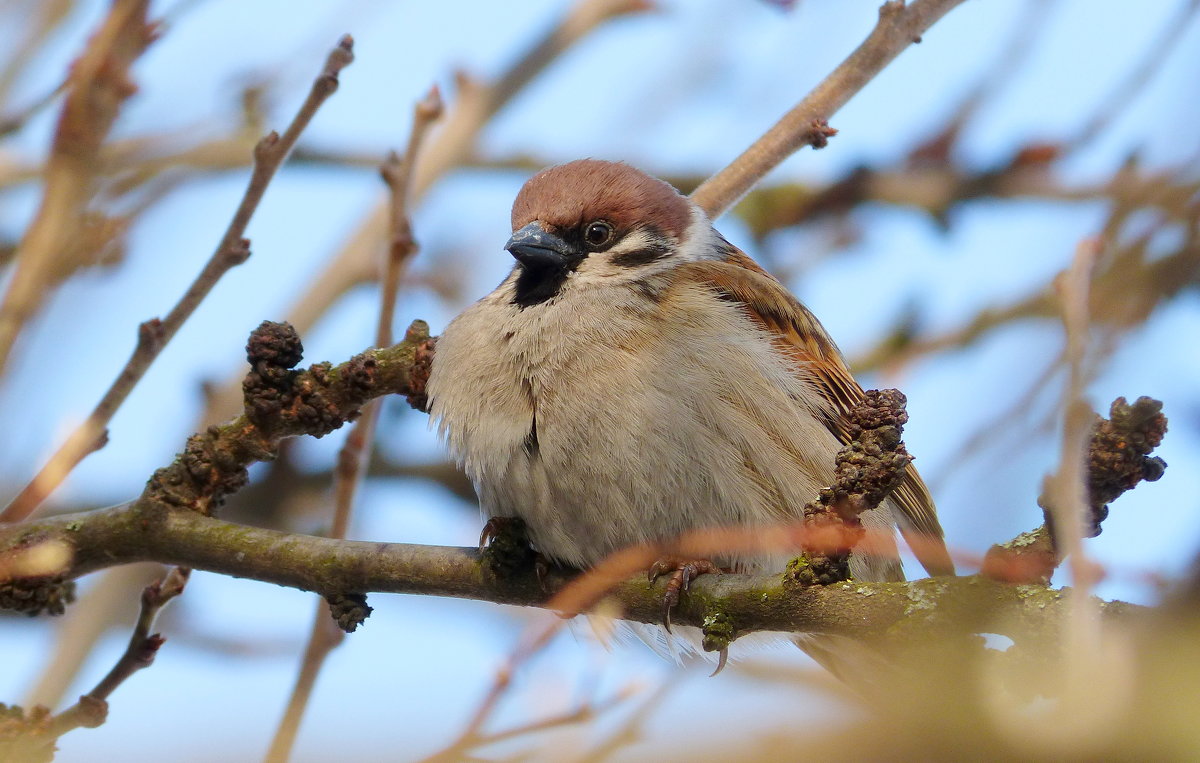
(607, 266)
(700, 241)
(641, 253)
(634, 241)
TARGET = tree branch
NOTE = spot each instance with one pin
(143, 532)
(35, 741)
(154, 334)
(99, 83)
(899, 26)
(143, 646)
(324, 636)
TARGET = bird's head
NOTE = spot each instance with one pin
(590, 221)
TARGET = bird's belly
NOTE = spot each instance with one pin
(610, 436)
(648, 461)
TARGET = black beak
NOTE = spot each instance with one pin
(538, 250)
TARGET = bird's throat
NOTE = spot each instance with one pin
(537, 285)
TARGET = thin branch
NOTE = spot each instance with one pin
(15, 121)
(1114, 305)
(100, 609)
(465, 743)
(899, 26)
(99, 83)
(1065, 492)
(153, 335)
(631, 730)
(322, 638)
(92, 708)
(356, 451)
(398, 173)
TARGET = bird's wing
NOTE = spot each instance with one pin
(798, 334)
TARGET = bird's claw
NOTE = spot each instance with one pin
(682, 572)
(496, 527)
(506, 550)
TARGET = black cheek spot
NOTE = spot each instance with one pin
(644, 256)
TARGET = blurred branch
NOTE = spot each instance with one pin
(473, 739)
(1113, 303)
(97, 86)
(16, 120)
(899, 26)
(1064, 492)
(46, 16)
(153, 335)
(92, 708)
(1117, 459)
(356, 450)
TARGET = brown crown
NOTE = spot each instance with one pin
(568, 195)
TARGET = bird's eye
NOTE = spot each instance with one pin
(597, 233)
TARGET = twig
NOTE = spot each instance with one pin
(97, 86)
(463, 744)
(34, 34)
(100, 609)
(1114, 305)
(398, 173)
(322, 638)
(17, 120)
(899, 26)
(356, 451)
(1066, 490)
(1034, 555)
(630, 731)
(154, 334)
(92, 708)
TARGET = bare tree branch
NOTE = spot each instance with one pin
(92, 708)
(352, 459)
(99, 83)
(143, 532)
(899, 26)
(154, 334)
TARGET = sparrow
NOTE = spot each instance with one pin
(636, 376)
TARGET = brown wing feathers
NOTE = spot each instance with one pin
(800, 336)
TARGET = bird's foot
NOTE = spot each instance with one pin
(682, 572)
(506, 550)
